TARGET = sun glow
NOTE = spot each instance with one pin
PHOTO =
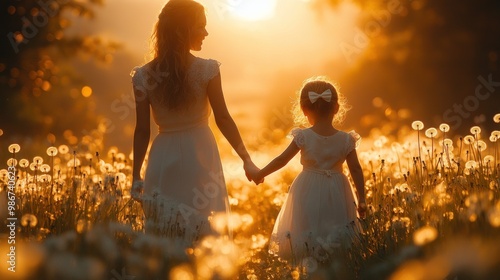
(253, 10)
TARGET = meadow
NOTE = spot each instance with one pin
(433, 213)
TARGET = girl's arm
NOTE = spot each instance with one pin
(357, 177)
(227, 126)
(141, 133)
(279, 161)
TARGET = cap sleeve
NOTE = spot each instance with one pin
(212, 69)
(298, 136)
(137, 78)
(353, 140)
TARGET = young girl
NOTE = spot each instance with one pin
(320, 204)
(184, 183)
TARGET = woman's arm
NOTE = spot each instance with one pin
(279, 161)
(227, 126)
(141, 132)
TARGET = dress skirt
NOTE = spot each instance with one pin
(319, 211)
(184, 183)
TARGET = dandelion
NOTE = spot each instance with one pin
(29, 220)
(73, 163)
(24, 163)
(14, 148)
(481, 145)
(52, 151)
(417, 125)
(63, 149)
(496, 118)
(475, 130)
(38, 160)
(431, 132)
(424, 235)
(471, 164)
(45, 168)
(469, 139)
(12, 162)
(444, 127)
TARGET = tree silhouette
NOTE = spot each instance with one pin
(431, 56)
(40, 90)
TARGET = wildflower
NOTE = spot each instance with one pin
(52, 151)
(63, 149)
(38, 160)
(431, 132)
(24, 163)
(444, 127)
(417, 125)
(496, 118)
(12, 162)
(14, 148)
(475, 130)
(469, 139)
(481, 145)
(29, 220)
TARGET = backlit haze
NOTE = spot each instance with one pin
(266, 49)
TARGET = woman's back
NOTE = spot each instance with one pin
(200, 72)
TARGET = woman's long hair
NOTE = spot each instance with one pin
(171, 45)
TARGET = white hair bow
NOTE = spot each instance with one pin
(326, 95)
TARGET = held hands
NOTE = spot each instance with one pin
(362, 209)
(252, 172)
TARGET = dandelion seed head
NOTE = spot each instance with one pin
(52, 151)
(471, 164)
(29, 220)
(24, 163)
(481, 145)
(63, 149)
(431, 132)
(424, 235)
(469, 139)
(417, 125)
(444, 127)
(38, 160)
(448, 142)
(14, 148)
(496, 118)
(475, 130)
(488, 159)
(45, 167)
(12, 162)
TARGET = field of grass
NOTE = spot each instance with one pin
(433, 197)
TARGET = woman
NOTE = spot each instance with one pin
(184, 183)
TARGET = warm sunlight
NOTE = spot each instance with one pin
(253, 10)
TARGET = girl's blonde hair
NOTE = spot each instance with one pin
(171, 45)
(321, 107)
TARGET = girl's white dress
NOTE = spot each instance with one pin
(320, 209)
(184, 184)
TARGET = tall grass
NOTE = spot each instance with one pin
(434, 213)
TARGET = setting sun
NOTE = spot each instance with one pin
(253, 10)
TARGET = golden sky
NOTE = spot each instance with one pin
(266, 47)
